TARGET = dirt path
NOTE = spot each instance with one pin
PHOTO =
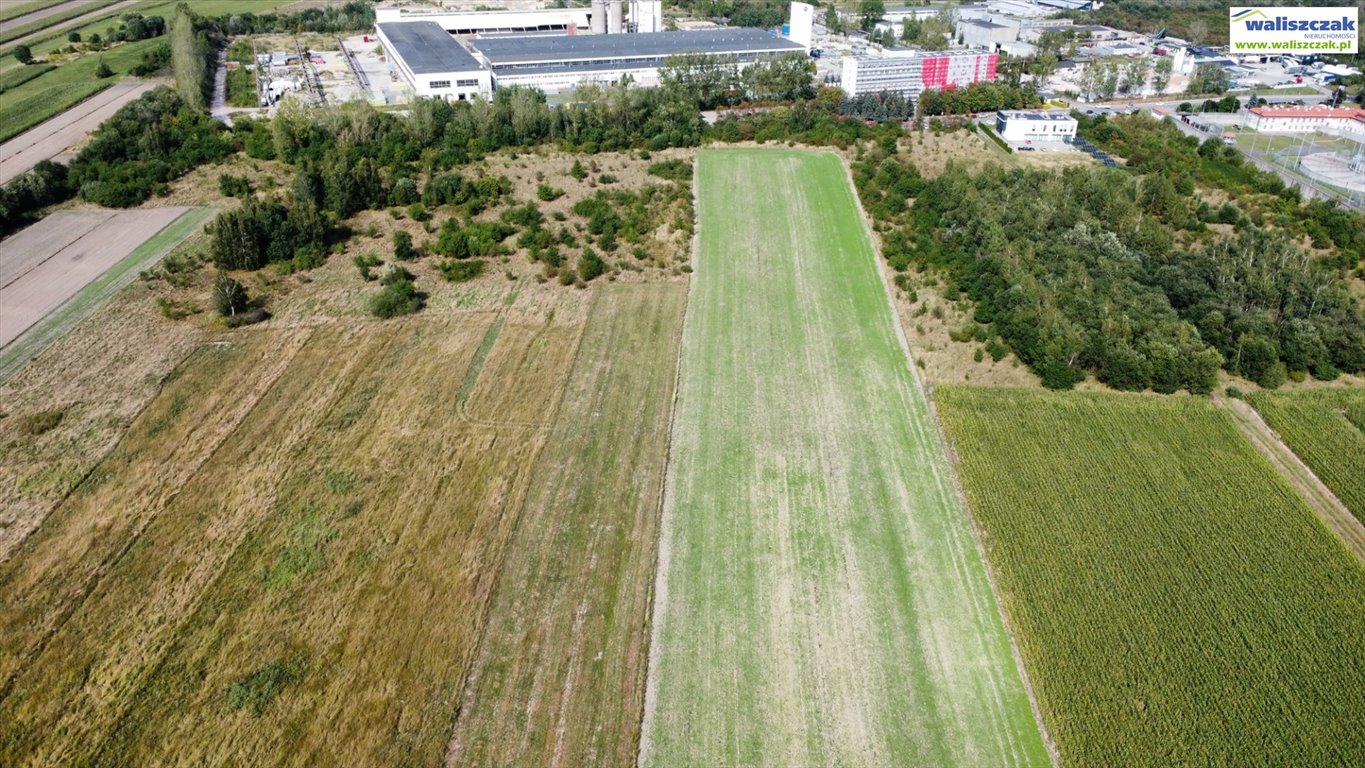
(46, 285)
(81, 20)
(41, 13)
(66, 130)
(1319, 497)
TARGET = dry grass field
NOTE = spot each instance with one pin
(292, 550)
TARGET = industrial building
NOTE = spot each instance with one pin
(910, 73)
(432, 63)
(1023, 127)
(560, 63)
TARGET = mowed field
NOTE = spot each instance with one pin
(560, 675)
(1326, 428)
(290, 556)
(1175, 602)
(821, 597)
(51, 261)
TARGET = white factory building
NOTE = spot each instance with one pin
(557, 63)
(910, 73)
(1342, 121)
(1021, 126)
(434, 63)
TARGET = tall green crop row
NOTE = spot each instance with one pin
(1174, 601)
(1326, 428)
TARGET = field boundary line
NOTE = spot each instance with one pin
(1325, 504)
(950, 454)
(662, 554)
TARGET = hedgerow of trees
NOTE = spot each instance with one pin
(1082, 273)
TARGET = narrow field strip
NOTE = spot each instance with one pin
(821, 600)
(560, 674)
(1176, 603)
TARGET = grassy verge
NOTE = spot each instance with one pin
(80, 306)
(53, 20)
(16, 77)
(561, 666)
(1326, 428)
(821, 600)
(990, 134)
(1174, 601)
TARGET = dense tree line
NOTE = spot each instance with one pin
(145, 145)
(20, 200)
(266, 231)
(739, 13)
(353, 16)
(884, 105)
(1158, 148)
(977, 97)
(711, 81)
(1080, 273)
(195, 42)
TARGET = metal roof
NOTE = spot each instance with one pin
(428, 48)
(1016, 114)
(537, 50)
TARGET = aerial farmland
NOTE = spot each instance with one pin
(705, 416)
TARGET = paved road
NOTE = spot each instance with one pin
(52, 138)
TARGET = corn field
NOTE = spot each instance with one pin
(1326, 428)
(1174, 601)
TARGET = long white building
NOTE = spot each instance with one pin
(601, 17)
(1340, 120)
(433, 63)
(910, 73)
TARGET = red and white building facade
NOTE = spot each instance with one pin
(1337, 120)
(910, 73)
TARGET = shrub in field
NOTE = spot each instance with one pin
(457, 271)
(398, 296)
(590, 265)
(229, 296)
(234, 186)
(402, 246)
(673, 170)
(40, 422)
(547, 193)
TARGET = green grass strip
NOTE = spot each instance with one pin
(100, 290)
(471, 376)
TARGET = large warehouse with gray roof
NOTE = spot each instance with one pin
(434, 63)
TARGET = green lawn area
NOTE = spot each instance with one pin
(55, 92)
(80, 306)
(1326, 428)
(1175, 602)
(821, 598)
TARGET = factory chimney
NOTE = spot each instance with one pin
(614, 17)
(598, 23)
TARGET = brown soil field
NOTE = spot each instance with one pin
(61, 274)
(559, 677)
(67, 130)
(33, 245)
